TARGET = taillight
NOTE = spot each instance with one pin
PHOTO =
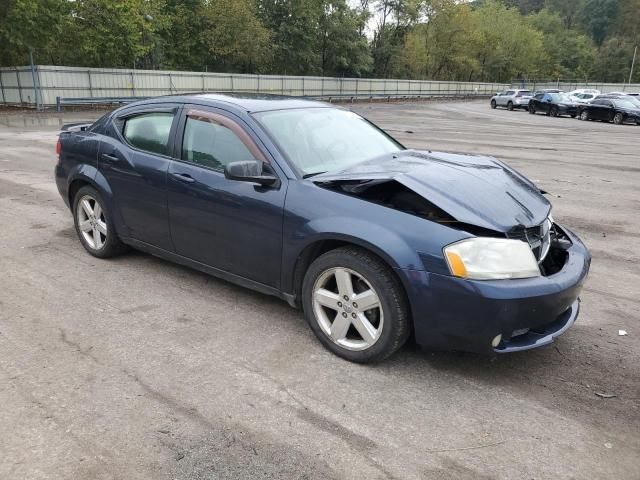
(58, 148)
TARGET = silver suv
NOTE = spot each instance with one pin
(512, 99)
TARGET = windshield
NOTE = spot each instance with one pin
(318, 140)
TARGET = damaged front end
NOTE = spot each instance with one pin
(474, 194)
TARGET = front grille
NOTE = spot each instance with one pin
(538, 238)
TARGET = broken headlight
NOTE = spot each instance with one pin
(484, 258)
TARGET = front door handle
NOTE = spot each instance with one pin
(110, 158)
(184, 177)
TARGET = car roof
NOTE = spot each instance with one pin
(248, 102)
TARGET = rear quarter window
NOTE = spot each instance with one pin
(149, 131)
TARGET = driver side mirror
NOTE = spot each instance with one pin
(249, 171)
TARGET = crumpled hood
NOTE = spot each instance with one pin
(476, 190)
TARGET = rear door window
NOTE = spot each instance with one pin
(149, 131)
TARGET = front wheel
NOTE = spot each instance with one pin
(618, 118)
(355, 305)
(510, 106)
(584, 115)
(532, 110)
(493, 104)
(554, 112)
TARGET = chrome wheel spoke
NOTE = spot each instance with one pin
(366, 300)
(97, 240)
(365, 329)
(97, 211)
(85, 226)
(86, 206)
(101, 227)
(344, 282)
(327, 298)
(340, 327)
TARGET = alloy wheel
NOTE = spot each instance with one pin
(347, 308)
(92, 222)
(618, 119)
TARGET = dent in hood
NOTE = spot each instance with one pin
(475, 190)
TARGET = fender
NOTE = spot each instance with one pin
(93, 176)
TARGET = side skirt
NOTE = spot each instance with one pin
(222, 274)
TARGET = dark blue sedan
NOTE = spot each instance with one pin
(318, 206)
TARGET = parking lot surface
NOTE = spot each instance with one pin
(138, 368)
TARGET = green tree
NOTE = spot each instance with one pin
(569, 52)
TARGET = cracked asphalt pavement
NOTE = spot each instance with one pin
(138, 368)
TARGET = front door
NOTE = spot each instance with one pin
(230, 225)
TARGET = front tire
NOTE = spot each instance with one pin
(94, 225)
(355, 305)
(618, 118)
(493, 104)
(532, 110)
(554, 112)
(585, 115)
(510, 106)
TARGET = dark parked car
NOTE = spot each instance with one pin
(612, 109)
(316, 205)
(554, 104)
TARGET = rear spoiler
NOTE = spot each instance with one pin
(76, 127)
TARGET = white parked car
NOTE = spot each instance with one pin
(583, 95)
(512, 99)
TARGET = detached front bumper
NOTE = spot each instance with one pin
(456, 314)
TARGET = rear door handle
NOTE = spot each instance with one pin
(110, 158)
(184, 177)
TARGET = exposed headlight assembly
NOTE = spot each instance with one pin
(484, 258)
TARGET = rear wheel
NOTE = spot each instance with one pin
(618, 118)
(510, 106)
(355, 305)
(493, 104)
(94, 225)
(554, 112)
(532, 109)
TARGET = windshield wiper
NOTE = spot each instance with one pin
(309, 175)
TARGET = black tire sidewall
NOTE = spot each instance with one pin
(395, 330)
(112, 245)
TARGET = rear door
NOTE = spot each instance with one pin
(227, 224)
(135, 164)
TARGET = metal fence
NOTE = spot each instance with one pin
(569, 85)
(44, 85)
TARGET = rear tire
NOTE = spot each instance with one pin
(493, 104)
(348, 291)
(94, 224)
(618, 118)
(554, 112)
(532, 110)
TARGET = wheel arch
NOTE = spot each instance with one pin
(320, 246)
(89, 175)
